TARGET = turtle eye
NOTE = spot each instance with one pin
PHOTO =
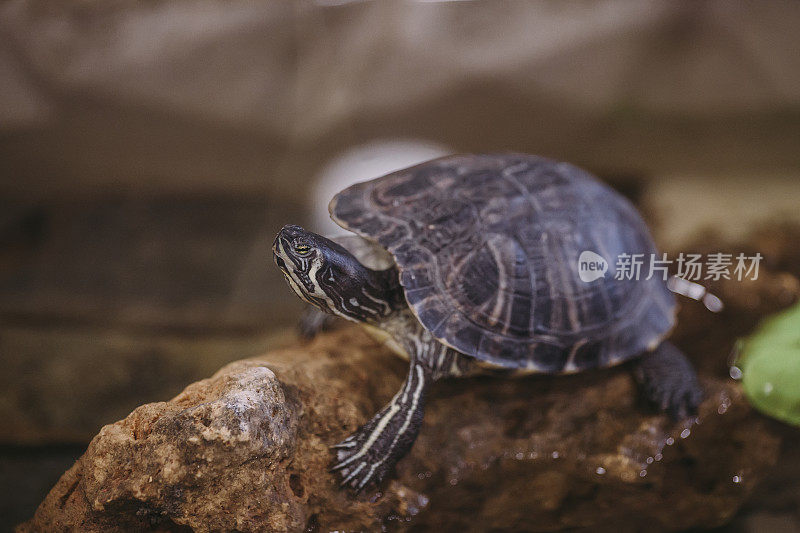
(302, 249)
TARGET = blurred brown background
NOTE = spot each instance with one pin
(149, 151)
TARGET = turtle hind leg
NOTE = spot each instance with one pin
(366, 456)
(668, 380)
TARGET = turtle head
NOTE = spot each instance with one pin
(326, 275)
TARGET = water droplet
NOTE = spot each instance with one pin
(658, 457)
(725, 402)
(454, 481)
(737, 479)
(670, 441)
(533, 455)
(555, 455)
(735, 373)
(649, 460)
(643, 473)
(685, 433)
(600, 471)
(519, 456)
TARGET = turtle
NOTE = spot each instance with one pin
(477, 263)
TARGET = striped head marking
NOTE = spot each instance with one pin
(297, 255)
(326, 275)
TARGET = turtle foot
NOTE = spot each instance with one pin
(668, 381)
(360, 465)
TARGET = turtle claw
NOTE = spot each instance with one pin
(684, 403)
(357, 475)
(357, 467)
(344, 445)
(351, 477)
(339, 466)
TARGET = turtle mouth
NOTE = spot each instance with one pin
(278, 249)
(280, 262)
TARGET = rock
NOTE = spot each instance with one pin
(247, 450)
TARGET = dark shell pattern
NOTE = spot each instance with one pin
(488, 247)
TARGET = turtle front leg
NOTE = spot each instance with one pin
(370, 453)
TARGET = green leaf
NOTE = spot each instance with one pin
(770, 365)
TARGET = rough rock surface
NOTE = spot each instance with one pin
(247, 450)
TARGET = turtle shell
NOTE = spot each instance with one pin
(488, 250)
